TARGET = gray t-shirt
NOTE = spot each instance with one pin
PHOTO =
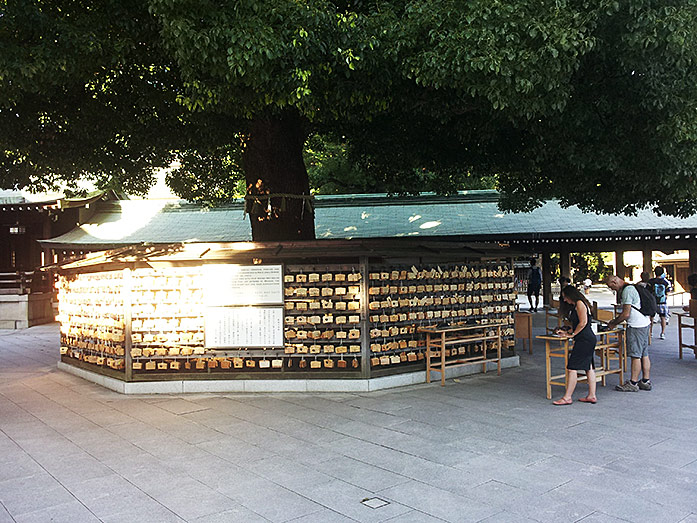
(630, 296)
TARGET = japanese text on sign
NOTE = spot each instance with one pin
(244, 327)
(244, 285)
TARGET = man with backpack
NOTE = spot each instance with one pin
(534, 284)
(660, 286)
(638, 307)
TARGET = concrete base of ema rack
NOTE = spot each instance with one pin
(289, 385)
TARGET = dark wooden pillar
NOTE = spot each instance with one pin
(565, 263)
(46, 233)
(693, 261)
(620, 269)
(648, 257)
(546, 279)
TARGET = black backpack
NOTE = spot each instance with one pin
(648, 301)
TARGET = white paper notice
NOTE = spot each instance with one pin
(244, 285)
(244, 327)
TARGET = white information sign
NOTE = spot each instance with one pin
(243, 285)
(244, 327)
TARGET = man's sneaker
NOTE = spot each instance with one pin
(644, 386)
(627, 387)
(662, 336)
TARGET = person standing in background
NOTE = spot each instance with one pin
(660, 287)
(534, 284)
(645, 277)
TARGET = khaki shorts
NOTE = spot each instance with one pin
(638, 341)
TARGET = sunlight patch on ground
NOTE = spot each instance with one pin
(429, 225)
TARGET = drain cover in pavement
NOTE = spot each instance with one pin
(374, 502)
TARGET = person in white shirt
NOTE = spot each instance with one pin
(637, 334)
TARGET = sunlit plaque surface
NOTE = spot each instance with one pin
(243, 285)
(240, 308)
(244, 327)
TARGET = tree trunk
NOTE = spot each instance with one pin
(278, 190)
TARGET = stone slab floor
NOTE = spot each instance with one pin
(482, 448)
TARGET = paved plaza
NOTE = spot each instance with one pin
(482, 448)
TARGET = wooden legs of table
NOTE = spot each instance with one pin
(680, 336)
(548, 369)
(498, 349)
(682, 344)
(442, 359)
(428, 358)
(622, 353)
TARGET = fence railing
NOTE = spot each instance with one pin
(25, 282)
(678, 299)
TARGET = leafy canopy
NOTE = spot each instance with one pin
(593, 103)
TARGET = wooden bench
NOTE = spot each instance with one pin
(438, 339)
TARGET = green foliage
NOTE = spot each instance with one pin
(593, 265)
(628, 135)
(589, 102)
(333, 169)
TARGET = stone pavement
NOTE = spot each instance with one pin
(482, 448)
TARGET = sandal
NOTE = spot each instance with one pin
(588, 400)
(562, 401)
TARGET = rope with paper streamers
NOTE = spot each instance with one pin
(252, 200)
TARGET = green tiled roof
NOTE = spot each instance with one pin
(471, 215)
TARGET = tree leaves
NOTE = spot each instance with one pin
(592, 103)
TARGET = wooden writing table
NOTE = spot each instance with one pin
(609, 347)
(439, 338)
(683, 324)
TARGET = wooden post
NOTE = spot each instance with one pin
(648, 260)
(620, 269)
(680, 336)
(693, 261)
(548, 370)
(365, 319)
(565, 263)
(546, 279)
(127, 298)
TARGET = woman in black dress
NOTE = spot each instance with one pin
(581, 357)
